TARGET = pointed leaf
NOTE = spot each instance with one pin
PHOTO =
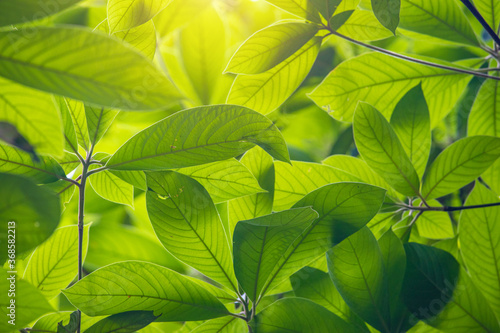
(198, 136)
(484, 118)
(490, 10)
(460, 164)
(361, 25)
(381, 149)
(137, 285)
(326, 7)
(270, 46)
(186, 222)
(125, 322)
(387, 12)
(49, 66)
(127, 14)
(98, 122)
(301, 8)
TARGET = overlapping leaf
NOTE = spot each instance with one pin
(127, 14)
(125, 322)
(19, 11)
(363, 25)
(301, 8)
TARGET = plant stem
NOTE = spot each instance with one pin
(418, 61)
(410, 226)
(481, 20)
(448, 209)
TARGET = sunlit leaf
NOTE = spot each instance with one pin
(125, 322)
(490, 10)
(222, 325)
(363, 25)
(137, 285)
(19, 11)
(387, 12)
(301, 8)
(127, 14)
(98, 121)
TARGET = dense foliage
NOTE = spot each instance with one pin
(308, 166)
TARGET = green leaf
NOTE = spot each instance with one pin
(411, 122)
(75, 121)
(270, 46)
(479, 236)
(316, 285)
(72, 326)
(245, 208)
(125, 322)
(106, 247)
(141, 286)
(48, 323)
(35, 211)
(177, 14)
(224, 180)
(202, 45)
(265, 92)
(381, 149)
(111, 187)
(222, 325)
(34, 115)
(459, 164)
(490, 10)
(430, 279)
(19, 11)
(443, 19)
(186, 222)
(337, 21)
(135, 178)
(52, 266)
(98, 122)
(127, 14)
(259, 245)
(51, 64)
(16, 161)
(299, 315)
(484, 118)
(202, 135)
(343, 209)
(361, 25)
(70, 138)
(293, 182)
(300, 8)
(29, 303)
(387, 12)
(359, 170)
(357, 269)
(433, 224)
(327, 7)
(374, 82)
(467, 311)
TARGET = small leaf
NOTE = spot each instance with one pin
(381, 149)
(270, 46)
(111, 187)
(265, 92)
(137, 285)
(326, 7)
(71, 327)
(125, 322)
(299, 315)
(98, 121)
(62, 69)
(127, 14)
(411, 122)
(387, 12)
(459, 164)
(198, 136)
(52, 266)
(339, 20)
(363, 25)
(186, 222)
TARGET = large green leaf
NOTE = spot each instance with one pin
(316, 285)
(125, 322)
(29, 304)
(368, 78)
(52, 266)
(127, 14)
(137, 285)
(186, 222)
(363, 25)
(484, 118)
(434, 224)
(490, 10)
(387, 12)
(299, 315)
(293, 182)
(245, 208)
(51, 63)
(224, 180)
(479, 236)
(34, 115)
(430, 280)
(35, 211)
(467, 311)
(259, 245)
(270, 46)
(343, 209)
(380, 147)
(411, 122)
(198, 136)
(357, 268)
(301, 8)
(19, 11)
(266, 91)
(16, 161)
(443, 19)
(460, 164)
(222, 325)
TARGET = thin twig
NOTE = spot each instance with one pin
(481, 20)
(448, 209)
